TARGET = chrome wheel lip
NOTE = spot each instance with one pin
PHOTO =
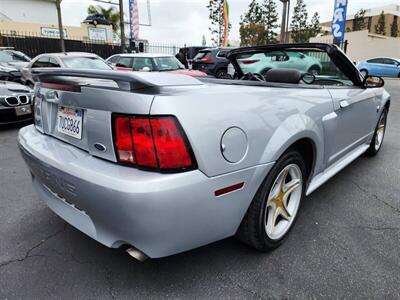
(275, 230)
(380, 132)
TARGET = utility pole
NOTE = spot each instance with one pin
(60, 26)
(285, 17)
(122, 25)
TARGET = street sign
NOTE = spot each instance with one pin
(339, 20)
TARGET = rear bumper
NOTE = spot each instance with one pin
(160, 214)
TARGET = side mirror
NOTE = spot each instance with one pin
(146, 69)
(302, 56)
(373, 82)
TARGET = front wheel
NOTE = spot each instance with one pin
(315, 70)
(274, 208)
(379, 135)
(221, 74)
(364, 73)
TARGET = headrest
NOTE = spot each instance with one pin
(283, 75)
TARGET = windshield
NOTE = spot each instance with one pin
(306, 61)
(13, 56)
(168, 63)
(85, 63)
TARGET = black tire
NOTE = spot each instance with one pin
(364, 72)
(221, 73)
(373, 149)
(252, 230)
(315, 70)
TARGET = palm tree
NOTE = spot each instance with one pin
(110, 14)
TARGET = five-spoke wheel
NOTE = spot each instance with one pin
(275, 207)
(283, 201)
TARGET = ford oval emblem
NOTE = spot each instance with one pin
(100, 147)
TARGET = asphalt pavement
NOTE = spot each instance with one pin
(346, 244)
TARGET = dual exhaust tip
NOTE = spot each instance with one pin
(137, 254)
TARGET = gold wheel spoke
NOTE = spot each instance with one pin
(294, 184)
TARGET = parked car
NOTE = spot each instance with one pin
(380, 66)
(15, 103)
(212, 61)
(263, 62)
(146, 62)
(11, 62)
(191, 53)
(76, 60)
(162, 164)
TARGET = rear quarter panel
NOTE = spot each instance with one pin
(272, 119)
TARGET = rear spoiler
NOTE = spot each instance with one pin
(128, 81)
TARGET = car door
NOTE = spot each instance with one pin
(376, 67)
(353, 120)
(391, 67)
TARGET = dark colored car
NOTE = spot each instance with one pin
(192, 51)
(15, 102)
(212, 61)
(11, 62)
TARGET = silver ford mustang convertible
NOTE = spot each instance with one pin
(163, 163)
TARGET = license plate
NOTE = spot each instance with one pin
(69, 121)
(23, 110)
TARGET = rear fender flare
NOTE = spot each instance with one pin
(293, 129)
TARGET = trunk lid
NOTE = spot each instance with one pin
(79, 111)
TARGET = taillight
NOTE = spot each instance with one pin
(171, 148)
(123, 140)
(143, 143)
(152, 142)
(249, 61)
(206, 60)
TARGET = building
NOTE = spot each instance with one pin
(39, 18)
(391, 12)
(363, 45)
(28, 11)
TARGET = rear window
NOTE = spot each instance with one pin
(85, 63)
(201, 55)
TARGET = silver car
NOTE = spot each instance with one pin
(163, 163)
(71, 60)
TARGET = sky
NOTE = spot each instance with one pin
(185, 21)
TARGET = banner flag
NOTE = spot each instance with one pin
(226, 23)
(339, 20)
(134, 19)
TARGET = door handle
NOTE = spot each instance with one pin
(344, 104)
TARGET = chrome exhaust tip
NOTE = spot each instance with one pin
(137, 254)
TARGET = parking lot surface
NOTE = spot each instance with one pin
(346, 243)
